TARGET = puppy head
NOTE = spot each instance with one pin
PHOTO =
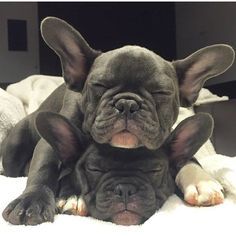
(130, 95)
(124, 186)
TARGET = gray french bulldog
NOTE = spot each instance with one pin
(122, 186)
(127, 97)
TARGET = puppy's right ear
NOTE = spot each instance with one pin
(75, 54)
(188, 137)
(66, 140)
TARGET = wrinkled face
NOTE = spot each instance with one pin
(123, 186)
(130, 95)
(130, 98)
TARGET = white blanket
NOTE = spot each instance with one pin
(11, 111)
(33, 90)
(174, 218)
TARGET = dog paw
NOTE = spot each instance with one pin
(199, 187)
(31, 209)
(72, 206)
(205, 193)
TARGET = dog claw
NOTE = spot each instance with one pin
(214, 199)
(21, 212)
(29, 213)
(48, 216)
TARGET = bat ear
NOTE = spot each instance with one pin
(75, 54)
(188, 137)
(202, 65)
(61, 134)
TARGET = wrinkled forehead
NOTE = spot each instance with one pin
(129, 63)
(105, 156)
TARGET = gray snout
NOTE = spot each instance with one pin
(125, 191)
(126, 106)
(127, 103)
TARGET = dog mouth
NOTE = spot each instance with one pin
(127, 133)
(127, 218)
(125, 139)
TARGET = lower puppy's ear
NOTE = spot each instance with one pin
(61, 134)
(188, 137)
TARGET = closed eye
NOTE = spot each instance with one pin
(95, 169)
(157, 169)
(99, 85)
(162, 92)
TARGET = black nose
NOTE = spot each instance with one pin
(125, 190)
(127, 106)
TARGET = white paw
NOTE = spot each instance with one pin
(199, 187)
(73, 206)
(205, 193)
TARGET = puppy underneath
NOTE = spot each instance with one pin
(124, 186)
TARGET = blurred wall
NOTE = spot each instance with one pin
(173, 30)
(16, 65)
(107, 26)
(205, 23)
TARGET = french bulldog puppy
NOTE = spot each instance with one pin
(128, 97)
(124, 186)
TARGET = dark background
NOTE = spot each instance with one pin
(111, 25)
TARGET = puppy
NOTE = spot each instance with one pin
(127, 97)
(124, 186)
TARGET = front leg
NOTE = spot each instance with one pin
(198, 186)
(37, 203)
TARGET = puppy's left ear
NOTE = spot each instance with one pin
(66, 140)
(188, 137)
(200, 66)
(75, 54)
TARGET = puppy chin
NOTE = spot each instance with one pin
(125, 139)
(127, 218)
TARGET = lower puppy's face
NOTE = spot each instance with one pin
(123, 186)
